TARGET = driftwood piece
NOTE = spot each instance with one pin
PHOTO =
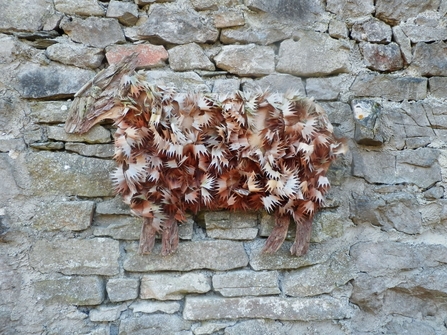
(179, 152)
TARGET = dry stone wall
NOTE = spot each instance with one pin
(68, 247)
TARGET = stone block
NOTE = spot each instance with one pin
(277, 82)
(182, 81)
(390, 87)
(438, 87)
(148, 55)
(369, 128)
(113, 206)
(348, 9)
(82, 7)
(239, 234)
(189, 57)
(228, 220)
(70, 290)
(49, 111)
(125, 12)
(76, 54)
(393, 12)
(307, 57)
(96, 134)
(226, 85)
(424, 33)
(97, 256)
(149, 307)
(91, 150)
(429, 59)
(372, 30)
(70, 215)
(382, 57)
(217, 255)
(212, 327)
(212, 4)
(173, 287)
(176, 25)
(106, 313)
(338, 29)
(228, 17)
(94, 32)
(340, 115)
(156, 324)
(287, 9)
(277, 308)
(246, 282)
(28, 15)
(246, 60)
(58, 173)
(327, 88)
(122, 289)
(404, 43)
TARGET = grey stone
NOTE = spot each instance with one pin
(436, 114)
(49, 111)
(154, 324)
(396, 11)
(211, 327)
(98, 256)
(27, 15)
(183, 81)
(176, 25)
(212, 4)
(75, 54)
(228, 220)
(245, 282)
(305, 309)
(424, 33)
(96, 134)
(173, 287)
(327, 88)
(125, 12)
(189, 57)
(113, 206)
(58, 173)
(390, 87)
(82, 7)
(226, 85)
(16, 144)
(404, 43)
(71, 215)
(429, 59)
(338, 29)
(91, 150)
(307, 57)
(106, 313)
(382, 57)
(372, 30)
(214, 255)
(94, 32)
(246, 60)
(320, 278)
(340, 115)
(119, 227)
(306, 10)
(355, 8)
(277, 82)
(47, 145)
(149, 307)
(228, 17)
(368, 122)
(52, 81)
(122, 289)
(438, 87)
(239, 234)
(410, 327)
(70, 290)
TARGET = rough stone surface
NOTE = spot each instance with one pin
(28, 15)
(347, 9)
(125, 12)
(168, 287)
(189, 57)
(229, 18)
(277, 82)
(122, 289)
(242, 283)
(183, 81)
(438, 86)
(395, 11)
(99, 256)
(49, 111)
(149, 307)
(226, 85)
(428, 59)
(106, 313)
(246, 60)
(82, 7)
(239, 234)
(382, 57)
(404, 43)
(372, 30)
(156, 324)
(75, 54)
(327, 88)
(91, 150)
(149, 55)
(97, 134)
(227, 220)
(295, 57)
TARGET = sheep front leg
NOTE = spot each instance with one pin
(278, 234)
(147, 236)
(169, 236)
(302, 237)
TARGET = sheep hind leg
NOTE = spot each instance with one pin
(302, 237)
(278, 234)
(147, 236)
(169, 236)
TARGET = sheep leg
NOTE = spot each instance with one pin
(169, 237)
(302, 237)
(278, 234)
(147, 236)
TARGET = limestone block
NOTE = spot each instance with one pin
(122, 289)
(277, 82)
(369, 128)
(49, 111)
(189, 57)
(347, 9)
(404, 43)
(214, 255)
(119, 227)
(27, 15)
(211, 327)
(227, 219)
(340, 115)
(338, 29)
(305, 309)
(173, 287)
(82, 7)
(372, 30)
(149, 307)
(94, 32)
(308, 57)
(212, 4)
(382, 57)
(226, 85)
(424, 33)
(58, 173)
(390, 87)
(113, 206)
(148, 55)
(106, 313)
(393, 12)
(97, 134)
(327, 88)
(183, 81)
(71, 215)
(76, 54)
(228, 17)
(154, 324)
(52, 81)
(91, 150)
(429, 59)
(70, 290)
(239, 234)
(97, 256)
(307, 10)
(246, 60)
(176, 25)
(125, 12)
(438, 87)
(246, 282)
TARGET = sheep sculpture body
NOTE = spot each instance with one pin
(183, 152)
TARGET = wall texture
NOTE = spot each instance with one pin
(377, 262)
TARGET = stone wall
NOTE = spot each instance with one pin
(377, 261)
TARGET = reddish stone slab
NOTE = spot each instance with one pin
(148, 55)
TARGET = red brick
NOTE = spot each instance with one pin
(148, 55)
